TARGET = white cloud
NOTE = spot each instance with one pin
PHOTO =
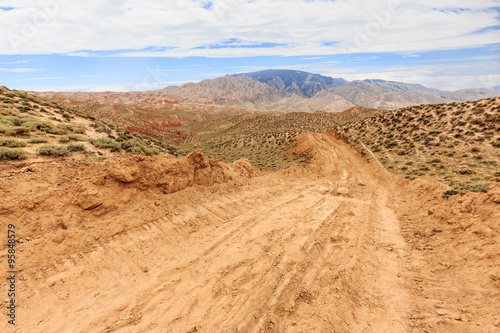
(20, 70)
(365, 58)
(17, 62)
(108, 87)
(302, 27)
(64, 77)
(313, 58)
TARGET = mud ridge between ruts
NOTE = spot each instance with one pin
(159, 244)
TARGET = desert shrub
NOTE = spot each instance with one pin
(496, 144)
(12, 142)
(7, 154)
(135, 150)
(42, 126)
(106, 143)
(492, 118)
(472, 188)
(123, 137)
(7, 100)
(53, 150)
(451, 192)
(64, 139)
(137, 147)
(477, 121)
(24, 108)
(67, 129)
(36, 139)
(443, 138)
(76, 147)
(466, 172)
(76, 137)
(19, 130)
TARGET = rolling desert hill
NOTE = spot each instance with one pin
(37, 130)
(457, 143)
(264, 138)
(149, 113)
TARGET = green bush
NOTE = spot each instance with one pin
(12, 142)
(7, 154)
(53, 150)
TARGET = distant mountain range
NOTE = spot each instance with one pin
(291, 90)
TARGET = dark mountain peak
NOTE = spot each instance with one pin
(294, 81)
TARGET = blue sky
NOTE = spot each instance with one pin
(136, 45)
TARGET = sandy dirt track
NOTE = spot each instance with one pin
(166, 245)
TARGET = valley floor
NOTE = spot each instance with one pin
(340, 246)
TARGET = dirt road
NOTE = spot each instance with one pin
(342, 246)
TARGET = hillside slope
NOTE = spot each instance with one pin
(35, 129)
(456, 143)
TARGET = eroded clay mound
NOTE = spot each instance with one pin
(173, 174)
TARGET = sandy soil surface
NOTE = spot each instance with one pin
(187, 245)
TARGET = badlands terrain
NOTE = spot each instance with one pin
(248, 222)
